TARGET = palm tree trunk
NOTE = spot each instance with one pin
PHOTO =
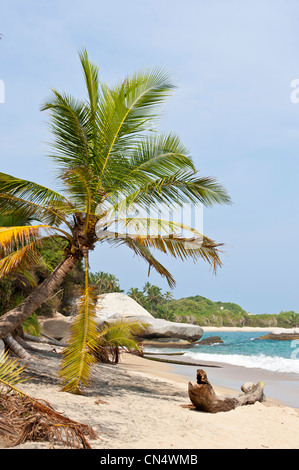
(10, 320)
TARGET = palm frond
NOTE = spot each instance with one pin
(155, 156)
(77, 355)
(133, 104)
(143, 252)
(117, 335)
(25, 258)
(186, 248)
(179, 188)
(31, 419)
(122, 333)
(14, 237)
(11, 373)
(33, 192)
(14, 206)
(70, 128)
(91, 75)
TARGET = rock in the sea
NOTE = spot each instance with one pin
(210, 340)
(115, 306)
(282, 334)
(173, 343)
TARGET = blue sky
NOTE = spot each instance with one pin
(233, 63)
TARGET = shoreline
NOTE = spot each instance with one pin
(240, 328)
(141, 404)
(280, 387)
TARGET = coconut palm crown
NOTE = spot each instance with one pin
(108, 158)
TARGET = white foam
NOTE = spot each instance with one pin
(274, 364)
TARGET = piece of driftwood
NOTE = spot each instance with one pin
(47, 339)
(204, 398)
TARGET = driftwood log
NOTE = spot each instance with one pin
(204, 398)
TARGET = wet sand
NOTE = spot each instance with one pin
(279, 386)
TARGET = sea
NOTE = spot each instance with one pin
(273, 360)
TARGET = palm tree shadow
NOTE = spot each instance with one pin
(107, 380)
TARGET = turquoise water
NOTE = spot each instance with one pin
(240, 348)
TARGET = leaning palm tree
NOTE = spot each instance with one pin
(108, 159)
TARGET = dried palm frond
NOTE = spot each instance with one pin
(32, 419)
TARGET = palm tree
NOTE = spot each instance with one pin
(146, 287)
(138, 296)
(162, 312)
(107, 159)
(105, 282)
(168, 296)
(294, 320)
(154, 296)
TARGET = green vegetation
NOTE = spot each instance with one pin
(194, 309)
(204, 312)
(16, 286)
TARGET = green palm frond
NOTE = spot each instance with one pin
(117, 335)
(12, 205)
(152, 157)
(77, 356)
(179, 188)
(91, 75)
(34, 192)
(70, 129)
(134, 107)
(23, 259)
(11, 374)
(143, 252)
(122, 333)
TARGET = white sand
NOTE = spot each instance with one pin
(237, 328)
(143, 410)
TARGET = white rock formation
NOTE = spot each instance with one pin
(114, 306)
(120, 304)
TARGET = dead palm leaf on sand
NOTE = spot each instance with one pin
(23, 418)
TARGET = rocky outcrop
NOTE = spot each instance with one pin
(119, 304)
(115, 306)
(282, 334)
(210, 340)
(58, 327)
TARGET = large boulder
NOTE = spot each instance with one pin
(119, 304)
(115, 306)
(282, 334)
(210, 340)
(58, 327)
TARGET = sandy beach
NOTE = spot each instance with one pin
(240, 328)
(140, 404)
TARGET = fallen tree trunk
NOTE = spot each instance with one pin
(46, 340)
(16, 347)
(204, 398)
